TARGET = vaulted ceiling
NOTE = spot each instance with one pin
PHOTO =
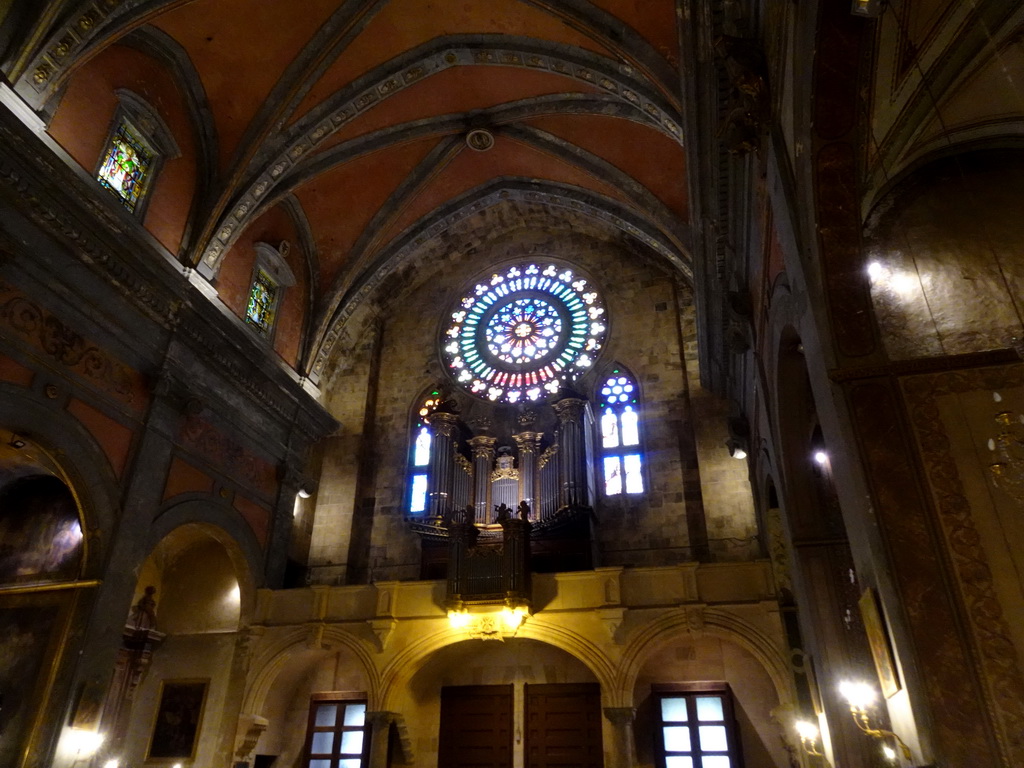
(356, 115)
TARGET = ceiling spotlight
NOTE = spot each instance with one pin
(304, 492)
(821, 458)
(875, 270)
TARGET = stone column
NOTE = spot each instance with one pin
(380, 732)
(572, 452)
(529, 479)
(621, 749)
(442, 463)
(483, 460)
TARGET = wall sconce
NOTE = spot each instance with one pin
(809, 734)
(860, 696)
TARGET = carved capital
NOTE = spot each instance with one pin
(620, 716)
(443, 423)
(381, 719)
(483, 446)
(569, 409)
(528, 442)
(250, 728)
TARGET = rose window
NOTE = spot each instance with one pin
(523, 332)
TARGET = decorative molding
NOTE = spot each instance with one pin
(998, 658)
(65, 346)
(205, 440)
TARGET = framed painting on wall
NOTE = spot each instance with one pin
(178, 720)
(878, 640)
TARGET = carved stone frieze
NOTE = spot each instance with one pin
(45, 332)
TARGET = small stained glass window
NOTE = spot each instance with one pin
(127, 165)
(262, 302)
(620, 435)
(419, 459)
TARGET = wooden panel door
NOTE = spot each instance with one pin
(476, 727)
(563, 726)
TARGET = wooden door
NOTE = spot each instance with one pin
(563, 726)
(476, 727)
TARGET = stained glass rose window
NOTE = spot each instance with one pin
(522, 332)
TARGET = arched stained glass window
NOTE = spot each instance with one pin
(518, 335)
(419, 459)
(621, 457)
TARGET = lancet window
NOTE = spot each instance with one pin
(419, 456)
(621, 457)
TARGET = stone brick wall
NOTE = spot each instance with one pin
(650, 318)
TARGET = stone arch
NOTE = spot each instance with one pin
(396, 676)
(89, 475)
(692, 622)
(720, 647)
(271, 659)
(345, 300)
(294, 665)
(224, 524)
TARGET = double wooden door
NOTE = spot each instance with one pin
(562, 726)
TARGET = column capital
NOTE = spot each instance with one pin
(443, 422)
(483, 446)
(569, 409)
(528, 441)
(381, 718)
(620, 715)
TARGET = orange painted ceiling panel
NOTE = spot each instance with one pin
(240, 49)
(405, 24)
(655, 20)
(470, 169)
(340, 203)
(649, 156)
(455, 91)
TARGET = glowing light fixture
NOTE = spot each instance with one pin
(889, 752)
(459, 619)
(808, 733)
(860, 696)
(112, 763)
(513, 617)
(876, 270)
(84, 743)
(821, 458)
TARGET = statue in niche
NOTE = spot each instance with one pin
(143, 614)
(524, 510)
